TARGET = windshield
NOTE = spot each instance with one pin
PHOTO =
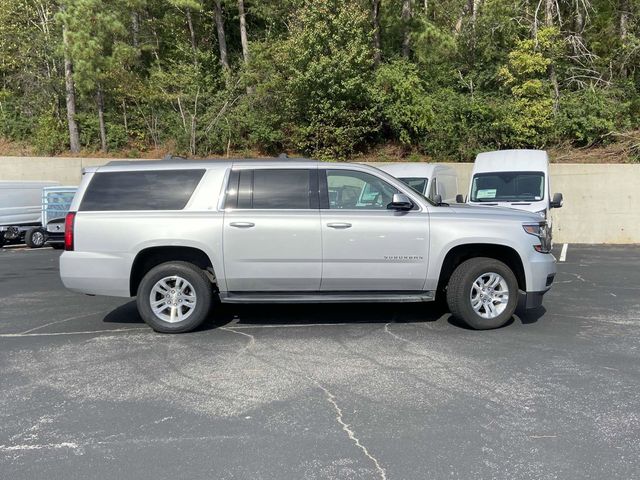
(508, 187)
(419, 184)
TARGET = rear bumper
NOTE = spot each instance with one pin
(96, 273)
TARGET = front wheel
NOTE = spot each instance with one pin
(483, 293)
(174, 297)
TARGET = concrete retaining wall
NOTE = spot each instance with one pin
(601, 201)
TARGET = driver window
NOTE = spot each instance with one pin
(350, 189)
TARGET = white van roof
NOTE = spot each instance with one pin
(512, 161)
(418, 170)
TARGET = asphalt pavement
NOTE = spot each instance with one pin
(322, 391)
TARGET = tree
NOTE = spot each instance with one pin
(98, 48)
(406, 28)
(375, 20)
(70, 91)
(222, 41)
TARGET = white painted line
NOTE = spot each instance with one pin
(62, 321)
(563, 253)
(56, 334)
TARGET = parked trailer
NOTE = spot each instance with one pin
(21, 212)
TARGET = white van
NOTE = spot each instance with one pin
(513, 178)
(429, 179)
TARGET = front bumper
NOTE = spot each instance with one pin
(533, 299)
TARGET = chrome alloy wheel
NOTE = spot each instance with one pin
(37, 238)
(489, 295)
(173, 299)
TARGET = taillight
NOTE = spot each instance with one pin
(68, 231)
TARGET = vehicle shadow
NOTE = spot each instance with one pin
(322, 313)
(300, 314)
(332, 313)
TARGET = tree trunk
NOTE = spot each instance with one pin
(124, 117)
(553, 79)
(243, 32)
(135, 30)
(623, 19)
(192, 36)
(103, 130)
(623, 29)
(375, 19)
(222, 41)
(578, 19)
(70, 89)
(548, 13)
(475, 8)
(406, 34)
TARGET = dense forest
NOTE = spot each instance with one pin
(326, 78)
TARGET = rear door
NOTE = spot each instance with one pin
(367, 247)
(271, 238)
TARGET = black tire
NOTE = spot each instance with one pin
(460, 286)
(202, 289)
(35, 238)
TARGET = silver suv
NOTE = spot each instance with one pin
(177, 233)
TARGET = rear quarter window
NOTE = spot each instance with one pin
(141, 190)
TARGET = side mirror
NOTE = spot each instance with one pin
(459, 198)
(437, 199)
(557, 201)
(400, 202)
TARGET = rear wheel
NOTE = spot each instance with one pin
(35, 238)
(483, 293)
(174, 297)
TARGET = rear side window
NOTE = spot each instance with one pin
(273, 189)
(141, 190)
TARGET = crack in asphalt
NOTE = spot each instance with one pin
(331, 398)
(350, 433)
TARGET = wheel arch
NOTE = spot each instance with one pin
(151, 257)
(460, 253)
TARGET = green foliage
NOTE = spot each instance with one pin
(496, 79)
(50, 135)
(590, 116)
(405, 106)
(320, 79)
(526, 75)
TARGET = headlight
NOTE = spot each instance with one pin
(541, 231)
(543, 213)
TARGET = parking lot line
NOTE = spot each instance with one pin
(61, 321)
(563, 253)
(55, 334)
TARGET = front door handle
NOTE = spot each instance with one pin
(339, 225)
(242, 224)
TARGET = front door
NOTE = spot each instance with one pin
(271, 238)
(366, 246)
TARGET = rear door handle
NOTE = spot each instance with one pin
(242, 224)
(339, 225)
